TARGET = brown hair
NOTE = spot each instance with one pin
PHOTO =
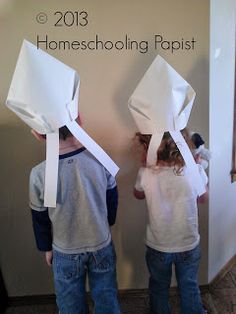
(168, 150)
(64, 132)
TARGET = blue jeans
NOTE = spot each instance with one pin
(186, 269)
(70, 275)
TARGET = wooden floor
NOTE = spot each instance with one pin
(219, 298)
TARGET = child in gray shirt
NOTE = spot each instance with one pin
(75, 235)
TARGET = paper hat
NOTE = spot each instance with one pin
(44, 93)
(162, 102)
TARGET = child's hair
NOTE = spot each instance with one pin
(168, 150)
(197, 140)
(64, 132)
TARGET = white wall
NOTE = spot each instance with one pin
(222, 209)
(107, 81)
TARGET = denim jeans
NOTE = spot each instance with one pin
(186, 269)
(70, 272)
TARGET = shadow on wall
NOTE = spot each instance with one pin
(129, 236)
(18, 257)
(19, 153)
(129, 233)
(199, 122)
(199, 118)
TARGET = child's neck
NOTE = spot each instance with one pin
(69, 145)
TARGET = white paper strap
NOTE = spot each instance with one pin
(93, 147)
(51, 171)
(189, 161)
(152, 149)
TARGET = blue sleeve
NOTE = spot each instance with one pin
(112, 204)
(42, 229)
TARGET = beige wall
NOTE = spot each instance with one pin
(107, 80)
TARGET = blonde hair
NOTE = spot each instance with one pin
(168, 150)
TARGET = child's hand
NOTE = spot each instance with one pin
(203, 198)
(198, 158)
(49, 257)
(140, 195)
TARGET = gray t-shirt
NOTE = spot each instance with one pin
(79, 221)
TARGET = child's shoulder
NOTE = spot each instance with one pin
(39, 168)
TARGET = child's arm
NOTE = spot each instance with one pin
(138, 190)
(204, 197)
(111, 198)
(49, 256)
(41, 222)
(112, 204)
(42, 230)
(43, 233)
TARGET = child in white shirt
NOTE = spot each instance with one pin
(172, 230)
